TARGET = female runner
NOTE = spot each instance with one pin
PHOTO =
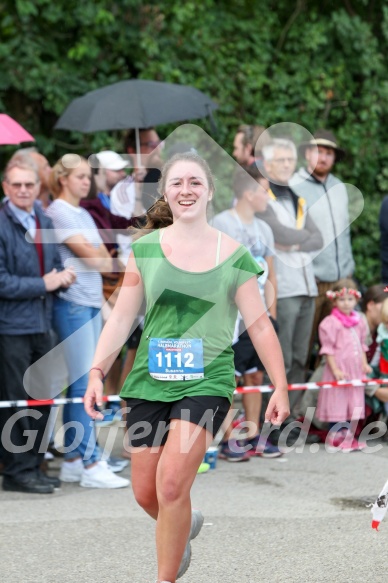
(193, 279)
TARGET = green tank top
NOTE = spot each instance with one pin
(186, 305)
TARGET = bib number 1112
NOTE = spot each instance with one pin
(188, 359)
(176, 359)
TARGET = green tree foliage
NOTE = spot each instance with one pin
(317, 63)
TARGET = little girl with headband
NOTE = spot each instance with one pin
(342, 336)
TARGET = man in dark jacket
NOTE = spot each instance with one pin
(30, 270)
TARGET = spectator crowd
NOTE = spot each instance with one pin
(65, 239)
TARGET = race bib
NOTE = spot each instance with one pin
(175, 359)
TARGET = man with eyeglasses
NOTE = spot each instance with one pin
(151, 146)
(133, 195)
(44, 170)
(30, 271)
(296, 235)
(138, 191)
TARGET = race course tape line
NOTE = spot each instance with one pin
(238, 391)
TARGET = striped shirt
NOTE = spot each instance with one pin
(69, 221)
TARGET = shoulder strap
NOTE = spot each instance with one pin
(218, 248)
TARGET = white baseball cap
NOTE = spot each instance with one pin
(111, 160)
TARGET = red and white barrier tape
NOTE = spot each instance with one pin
(318, 385)
(43, 403)
(238, 391)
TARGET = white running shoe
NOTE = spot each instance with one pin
(196, 525)
(100, 476)
(116, 464)
(71, 471)
(185, 562)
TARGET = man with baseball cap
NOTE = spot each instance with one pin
(327, 200)
(110, 171)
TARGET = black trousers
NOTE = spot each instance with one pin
(22, 428)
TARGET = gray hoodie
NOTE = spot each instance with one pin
(328, 207)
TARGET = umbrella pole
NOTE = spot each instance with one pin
(138, 155)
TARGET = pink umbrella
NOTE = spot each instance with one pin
(11, 132)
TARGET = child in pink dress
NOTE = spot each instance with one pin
(342, 336)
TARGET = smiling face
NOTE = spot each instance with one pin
(346, 303)
(187, 190)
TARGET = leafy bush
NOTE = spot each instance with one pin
(315, 63)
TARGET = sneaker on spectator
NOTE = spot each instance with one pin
(352, 445)
(239, 420)
(264, 449)
(231, 452)
(71, 471)
(336, 438)
(116, 464)
(347, 445)
(100, 476)
(360, 445)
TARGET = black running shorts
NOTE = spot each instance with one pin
(148, 421)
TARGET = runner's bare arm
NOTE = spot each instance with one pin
(271, 286)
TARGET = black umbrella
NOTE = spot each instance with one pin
(134, 104)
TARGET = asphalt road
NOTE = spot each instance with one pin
(300, 518)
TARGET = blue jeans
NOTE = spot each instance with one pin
(78, 329)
